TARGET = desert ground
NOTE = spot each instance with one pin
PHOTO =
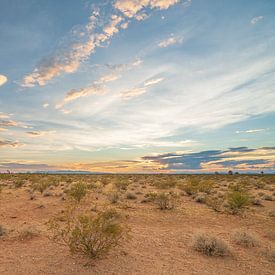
(165, 224)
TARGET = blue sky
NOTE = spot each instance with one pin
(116, 85)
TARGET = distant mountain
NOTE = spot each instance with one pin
(53, 172)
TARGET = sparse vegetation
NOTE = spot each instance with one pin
(210, 245)
(78, 191)
(245, 239)
(237, 201)
(91, 235)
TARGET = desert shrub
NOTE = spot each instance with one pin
(40, 186)
(113, 196)
(131, 196)
(210, 245)
(47, 193)
(78, 191)
(2, 230)
(19, 183)
(200, 198)
(166, 201)
(237, 201)
(195, 186)
(121, 184)
(241, 186)
(245, 239)
(165, 184)
(90, 235)
(215, 203)
(272, 255)
(27, 234)
(272, 213)
(257, 202)
(267, 197)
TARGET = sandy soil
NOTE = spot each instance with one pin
(161, 241)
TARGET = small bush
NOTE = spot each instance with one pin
(215, 203)
(40, 186)
(267, 197)
(89, 235)
(257, 202)
(200, 198)
(2, 231)
(244, 239)
(210, 245)
(166, 201)
(131, 196)
(113, 196)
(121, 184)
(78, 191)
(28, 234)
(272, 255)
(165, 184)
(18, 183)
(237, 201)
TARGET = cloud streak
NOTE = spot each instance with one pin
(3, 79)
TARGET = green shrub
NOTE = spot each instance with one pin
(78, 191)
(237, 201)
(90, 235)
(210, 245)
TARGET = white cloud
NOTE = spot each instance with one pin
(3, 79)
(256, 19)
(170, 41)
(153, 81)
(133, 93)
(251, 131)
(77, 93)
(130, 8)
(45, 105)
(86, 39)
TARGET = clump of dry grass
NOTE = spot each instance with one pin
(210, 245)
(245, 239)
(27, 234)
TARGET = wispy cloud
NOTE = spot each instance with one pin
(256, 19)
(10, 143)
(170, 41)
(75, 94)
(153, 81)
(84, 41)
(251, 131)
(3, 79)
(131, 8)
(133, 93)
(40, 133)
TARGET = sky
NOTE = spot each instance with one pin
(137, 86)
